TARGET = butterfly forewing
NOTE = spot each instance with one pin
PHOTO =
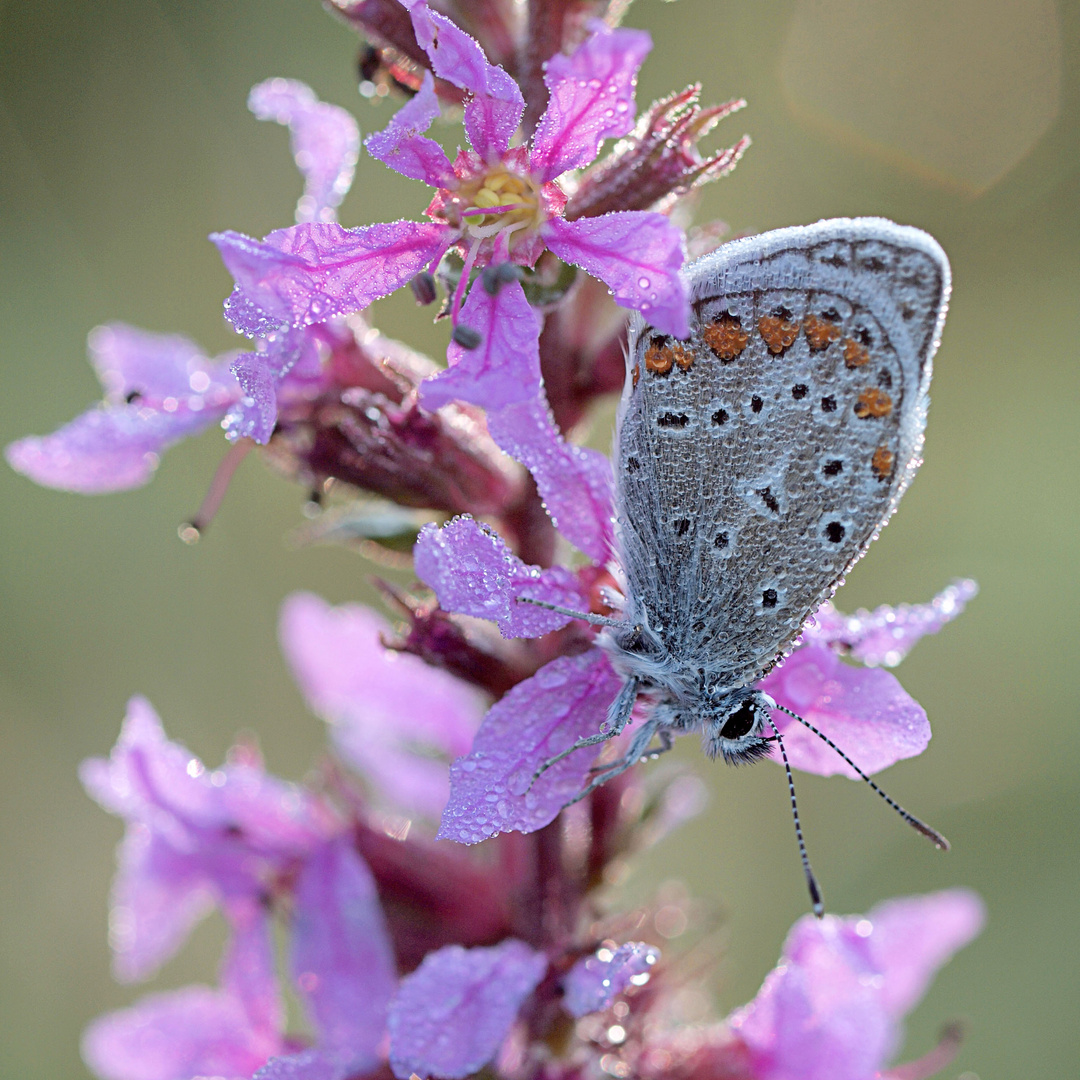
(758, 459)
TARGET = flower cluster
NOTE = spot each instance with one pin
(408, 954)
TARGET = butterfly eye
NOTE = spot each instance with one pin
(740, 722)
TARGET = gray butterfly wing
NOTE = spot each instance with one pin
(758, 460)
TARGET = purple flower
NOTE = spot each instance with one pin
(195, 837)
(391, 716)
(196, 1031)
(832, 1008)
(325, 144)
(496, 203)
(159, 389)
(451, 1015)
(595, 981)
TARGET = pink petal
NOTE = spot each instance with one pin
(637, 254)
(493, 114)
(573, 481)
(154, 366)
(325, 143)
(391, 716)
(309, 273)
(249, 969)
(176, 392)
(591, 99)
(403, 146)
(473, 572)
(307, 1065)
(595, 981)
(867, 713)
(540, 717)
(452, 1014)
(831, 1008)
(180, 1034)
(342, 962)
(107, 449)
(255, 415)
(819, 1015)
(505, 367)
(884, 636)
(913, 936)
(157, 898)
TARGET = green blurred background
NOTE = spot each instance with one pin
(125, 140)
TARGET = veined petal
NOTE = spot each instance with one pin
(391, 716)
(591, 99)
(493, 114)
(452, 1014)
(505, 367)
(539, 718)
(342, 961)
(595, 981)
(325, 143)
(309, 273)
(473, 572)
(403, 145)
(867, 713)
(884, 636)
(637, 254)
(573, 481)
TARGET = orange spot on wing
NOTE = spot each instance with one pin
(726, 337)
(684, 356)
(820, 333)
(873, 404)
(882, 462)
(659, 358)
(779, 334)
(855, 355)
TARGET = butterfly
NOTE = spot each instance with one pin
(755, 462)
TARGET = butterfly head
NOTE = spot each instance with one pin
(737, 726)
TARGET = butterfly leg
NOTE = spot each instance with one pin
(618, 717)
(638, 751)
(585, 616)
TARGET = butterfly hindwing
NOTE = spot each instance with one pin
(758, 459)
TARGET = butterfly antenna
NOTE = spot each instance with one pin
(811, 881)
(938, 840)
